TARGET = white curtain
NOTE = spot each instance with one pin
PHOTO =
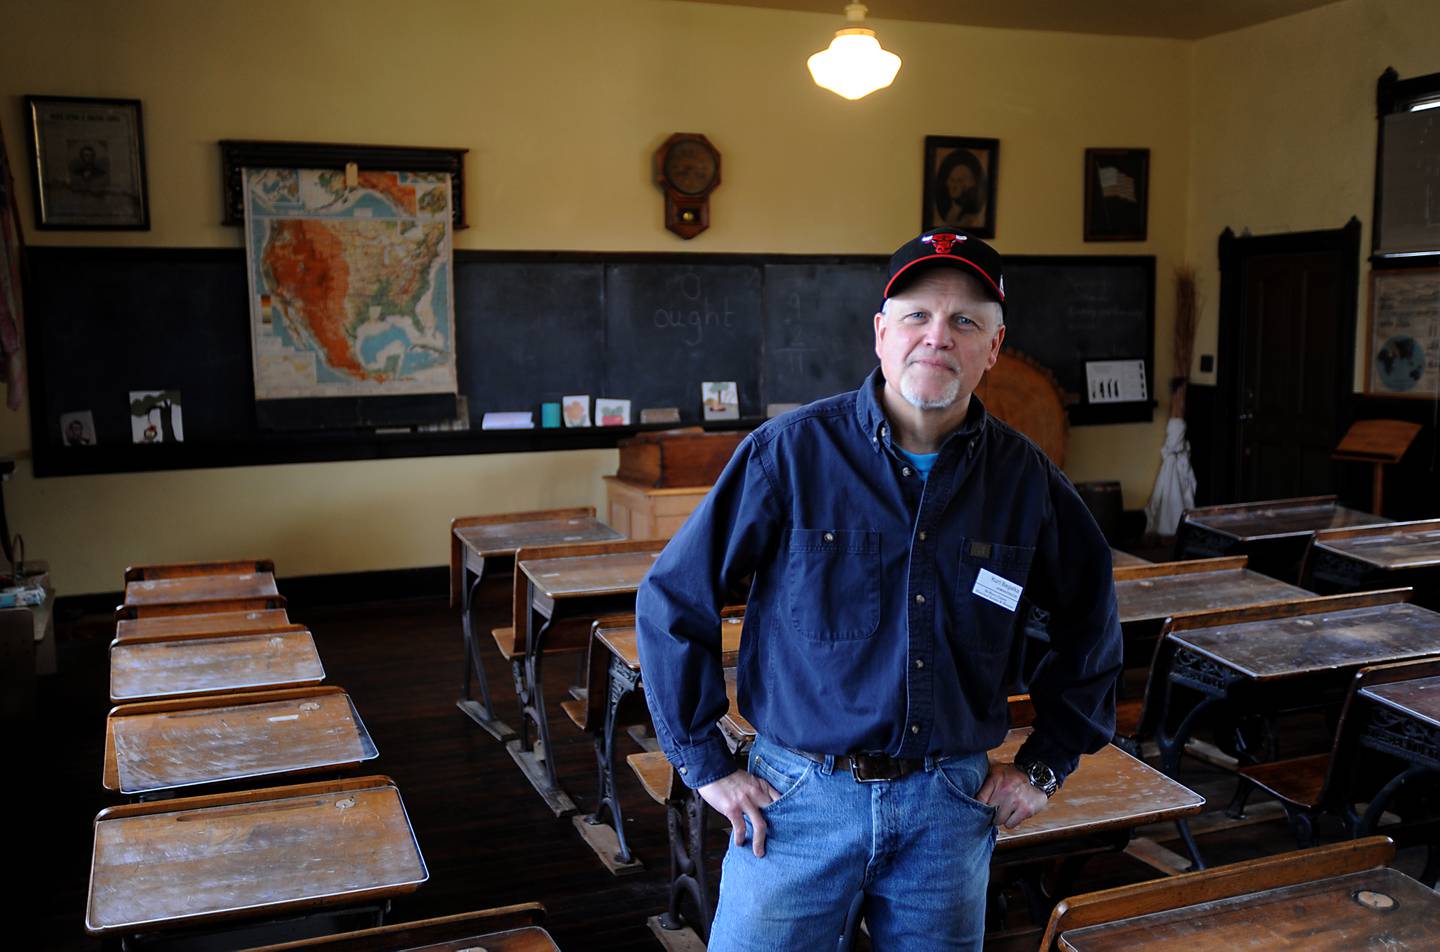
(1174, 486)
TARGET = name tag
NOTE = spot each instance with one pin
(1001, 591)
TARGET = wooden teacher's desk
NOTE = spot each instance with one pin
(201, 861)
(1274, 534)
(569, 588)
(1400, 553)
(476, 541)
(1372, 909)
(165, 745)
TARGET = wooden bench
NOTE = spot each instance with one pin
(514, 928)
(1334, 782)
(161, 627)
(1237, 881)
(162, 746)
(476, 543)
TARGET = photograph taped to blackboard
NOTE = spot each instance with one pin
(576, 410)
(78, 428)
(721, 400)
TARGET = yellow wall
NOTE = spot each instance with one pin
(561, 105)
(1284, 129)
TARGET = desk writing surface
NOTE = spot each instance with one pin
(1118, 558)
(1108, 790)
(1332, 915)
(622, 643)
(1164, 595)
(1307, 644)
(213, 665)
(579, 576)
(1419, 698)
(199, 588)
(734, 723)
(179, 862)
(190, 626)
(1391, 547)
(1252, 522)
(248, 736)
(505, 538)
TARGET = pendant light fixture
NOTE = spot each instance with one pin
(854, 66)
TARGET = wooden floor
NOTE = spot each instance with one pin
(487, 838)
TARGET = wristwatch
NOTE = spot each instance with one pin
(1041, 777)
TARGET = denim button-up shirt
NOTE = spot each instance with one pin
(884, 610)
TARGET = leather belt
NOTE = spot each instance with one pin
(871, 768)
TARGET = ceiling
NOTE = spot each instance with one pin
(1180, 19)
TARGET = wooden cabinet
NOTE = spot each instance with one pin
(639, 512)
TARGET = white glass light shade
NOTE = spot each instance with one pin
(854, 65)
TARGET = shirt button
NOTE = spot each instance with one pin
(919, 662)
(905, 471)
(919, 599)
(682, 770)
(922, 535)
(914, 728)
(829, 537)
(884, 431)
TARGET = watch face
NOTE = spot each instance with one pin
(690, 167)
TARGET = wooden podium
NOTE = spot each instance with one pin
(1380, 442)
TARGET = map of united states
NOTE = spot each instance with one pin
(350, 284)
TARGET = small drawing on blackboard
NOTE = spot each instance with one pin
(721, 399)
(612, 412)
(155, 416)
(576, 410)
(1115, 381)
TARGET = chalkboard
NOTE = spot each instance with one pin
(531, 327)
(819, 321)
(1065, 311)
(670, 327)
(528, 333)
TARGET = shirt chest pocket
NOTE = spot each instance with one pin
(991, 580)
(832, 577)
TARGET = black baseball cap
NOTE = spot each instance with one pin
(947, 246)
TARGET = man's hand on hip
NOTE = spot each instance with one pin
(739, 795)
(1011, 793)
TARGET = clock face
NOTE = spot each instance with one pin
(690, 167)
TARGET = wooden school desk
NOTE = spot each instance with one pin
(478, 540)
(578, 583)
(156, 670)
(502, 929)
(613, 681)
(158, 570)
(161, 627)
(165, 745)
(1375, 909)
(185, 590)
(1403, 720)
(1400, 553)
(1274, 533)
(199, 862)
(1281, 657)
(1120, 559)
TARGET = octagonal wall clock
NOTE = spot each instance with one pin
(687, 169)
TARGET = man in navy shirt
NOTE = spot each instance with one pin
(889, 534)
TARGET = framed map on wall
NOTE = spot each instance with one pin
(351, 284)
(1403, 345)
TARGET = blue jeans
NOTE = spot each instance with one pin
(916, 850)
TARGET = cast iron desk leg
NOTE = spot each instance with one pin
(481, 713)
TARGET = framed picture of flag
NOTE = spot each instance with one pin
(1117, 194)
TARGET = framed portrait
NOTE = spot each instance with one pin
(1403, 343)
(87, 163)
(960, 176)
(1117, 194)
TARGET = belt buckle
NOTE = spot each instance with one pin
(866, 768)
